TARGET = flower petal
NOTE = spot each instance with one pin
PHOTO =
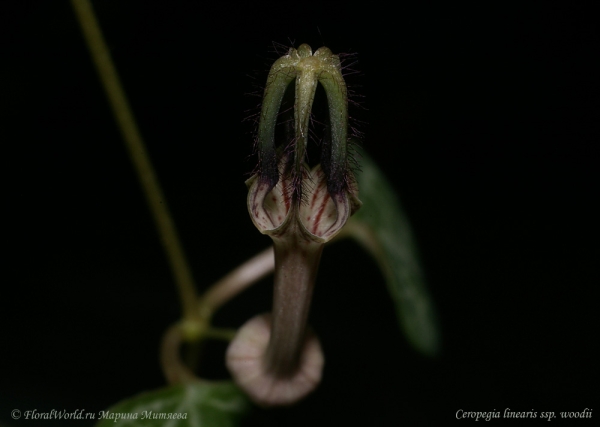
(321, 214)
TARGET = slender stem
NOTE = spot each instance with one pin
(363, 234)
(137, 151)
(224, 334)
(173, 368)
(193, 350)
(239, 279)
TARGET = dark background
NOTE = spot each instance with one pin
(484, 118)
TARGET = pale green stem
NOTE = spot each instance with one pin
(225, 334)
(174, 369)
(363, 234)
(137, 152)
(235, 282)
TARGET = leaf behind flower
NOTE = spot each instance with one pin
(383, 229)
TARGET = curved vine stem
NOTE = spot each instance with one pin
(139, 156)
(236, 281)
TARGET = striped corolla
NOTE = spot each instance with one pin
(274, 357)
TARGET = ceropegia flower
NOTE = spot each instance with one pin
(273, 357)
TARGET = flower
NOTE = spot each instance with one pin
(274, 358)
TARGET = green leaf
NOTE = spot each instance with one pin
(201, 404)
(383, 229)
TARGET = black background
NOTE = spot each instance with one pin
(484, 118)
